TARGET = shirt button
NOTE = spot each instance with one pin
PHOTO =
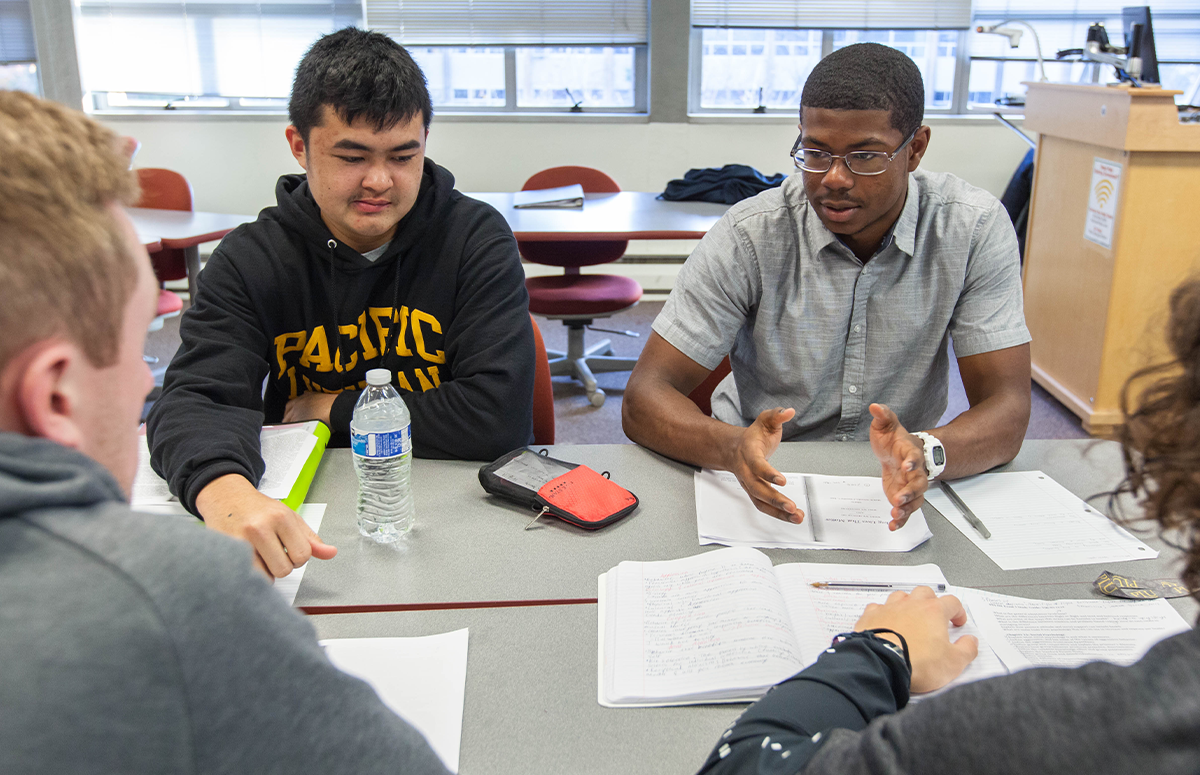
(853, 388)
(845, 438)
(857, 329)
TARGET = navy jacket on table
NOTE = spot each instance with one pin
(444, 308)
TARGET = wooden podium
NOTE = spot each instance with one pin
(1114, 226)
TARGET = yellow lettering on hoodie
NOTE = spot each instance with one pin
(351, 331)
(316, 352)
(403, 381)
(293, 392)
(419, 317)
(381, 315)
(401, 315)
(369, 351)
(286, 343)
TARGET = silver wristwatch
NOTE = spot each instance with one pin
(935, 455)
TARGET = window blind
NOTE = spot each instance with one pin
(16, 33)
(833, 14)
(510, 22)
(202, 47)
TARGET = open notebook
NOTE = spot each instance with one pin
(291, 452)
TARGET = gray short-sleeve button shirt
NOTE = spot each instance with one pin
(808, 325)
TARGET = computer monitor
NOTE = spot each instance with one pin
(1139, 40)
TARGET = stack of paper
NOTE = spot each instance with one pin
(563, 196)
(1035, 522)
(423, 680)
(291, 453)
(848, 512)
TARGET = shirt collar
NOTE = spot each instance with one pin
(819, 237)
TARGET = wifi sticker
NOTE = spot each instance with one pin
(1102, 202)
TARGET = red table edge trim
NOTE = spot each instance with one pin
(188, 242)
(317, 610)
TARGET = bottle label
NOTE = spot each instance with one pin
(382, 445)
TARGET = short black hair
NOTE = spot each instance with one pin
(868, 76)
(358, 73)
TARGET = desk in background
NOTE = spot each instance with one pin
(186, 230)
(625, 215)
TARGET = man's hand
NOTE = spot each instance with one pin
(749, 464)
(922, 618)
(309, 406)
(903, 458)
(281, 540)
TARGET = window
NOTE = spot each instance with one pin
(756, 56)
(478, 55)
(524, 55)
(997, 69)
(18, 55)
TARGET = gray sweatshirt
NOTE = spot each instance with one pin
(135, 643)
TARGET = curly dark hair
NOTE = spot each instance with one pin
(1161, 436)
(358, 73)
(868, 76)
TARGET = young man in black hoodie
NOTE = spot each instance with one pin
(370, 260)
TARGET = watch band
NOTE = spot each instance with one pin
(935, 455)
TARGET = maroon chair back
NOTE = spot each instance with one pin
(702, 395)
(568, 254)
(543, 391)
(165, 190)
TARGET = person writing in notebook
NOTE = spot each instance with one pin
(847, 713)
(842, 288)
(370, 260)
(130, 642)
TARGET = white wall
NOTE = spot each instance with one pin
(233, 163)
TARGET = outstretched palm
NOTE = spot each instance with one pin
(903, 464)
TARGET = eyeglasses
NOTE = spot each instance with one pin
(858, 162)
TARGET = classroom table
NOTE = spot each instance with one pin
(622, 216)
(528, 597)
(470, 549)
(185, 229)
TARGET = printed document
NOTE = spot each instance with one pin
(846, 512)
(1035, 522)
(423, 680)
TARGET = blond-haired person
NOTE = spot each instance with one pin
(129, 643)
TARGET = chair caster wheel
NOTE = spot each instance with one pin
(597, 398)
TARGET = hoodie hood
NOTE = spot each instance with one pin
(298, 212)
(38, 474)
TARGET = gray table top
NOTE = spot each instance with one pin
(183, 228)
(470, 547)
(530, 702)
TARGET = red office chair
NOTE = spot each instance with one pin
(702, 395)
(166, 190)
(578, 299)
(543, 392)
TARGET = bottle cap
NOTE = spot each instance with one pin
(379, 377)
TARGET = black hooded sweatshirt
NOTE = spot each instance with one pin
(444, 308)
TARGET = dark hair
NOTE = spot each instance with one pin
(1161, 436)
(358, 73)
(868, 76)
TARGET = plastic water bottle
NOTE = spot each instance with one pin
(381, 439)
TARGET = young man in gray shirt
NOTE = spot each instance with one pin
(840, 289)
(130, 643)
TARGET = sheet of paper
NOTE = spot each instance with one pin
(423, 680)
(1035, 522)
(563, 196)
(289, 585)
(852, 510)
(285, 449)
(1068, 633)
(821, 614)
(714, 624)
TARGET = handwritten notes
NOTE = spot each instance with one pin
(1036, 523)
(851, 512)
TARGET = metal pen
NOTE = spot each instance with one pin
(818, 530)
(936, 586)
(975, 521)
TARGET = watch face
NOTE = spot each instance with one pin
(939, 455)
